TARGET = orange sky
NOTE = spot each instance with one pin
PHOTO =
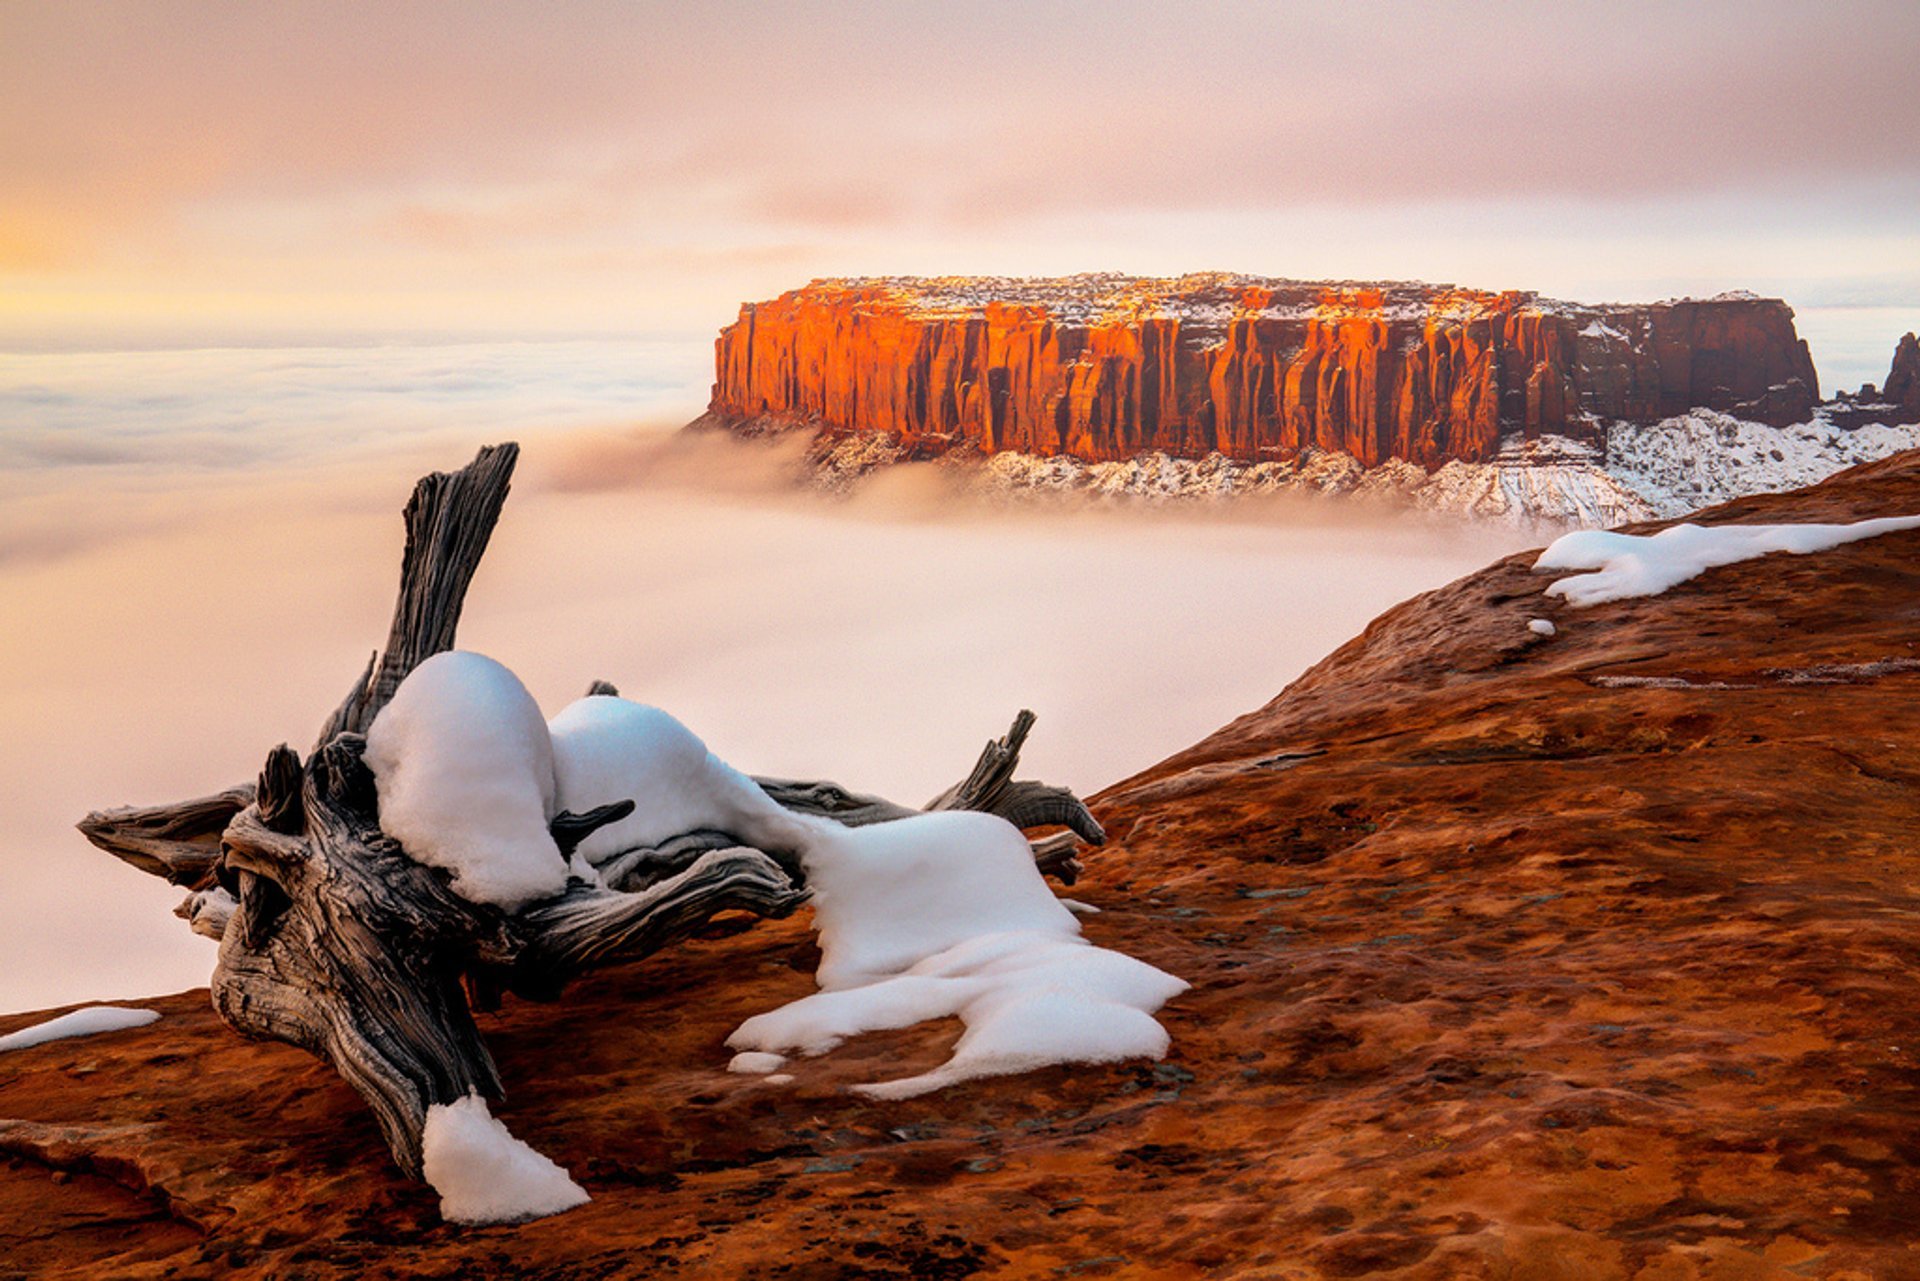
(171, 171)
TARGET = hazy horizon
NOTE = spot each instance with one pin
(1849, 346)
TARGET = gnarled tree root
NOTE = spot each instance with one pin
(333, 939)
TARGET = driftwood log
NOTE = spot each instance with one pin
(332, 938)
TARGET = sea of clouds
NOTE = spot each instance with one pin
(199, 550)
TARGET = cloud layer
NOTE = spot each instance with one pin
(173, 623)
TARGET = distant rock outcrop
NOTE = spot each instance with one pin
(1903, 380)
(1897, 403)
(1104, 367)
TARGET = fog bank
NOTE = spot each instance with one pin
(169, 624)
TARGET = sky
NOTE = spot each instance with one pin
(173, 173)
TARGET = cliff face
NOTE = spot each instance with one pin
(1102, 367)
(1903, 379)
(1513, 956)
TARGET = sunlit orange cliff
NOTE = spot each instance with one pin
(1103, 367)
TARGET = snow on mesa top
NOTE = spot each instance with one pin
(1206, 297)
(464, 766)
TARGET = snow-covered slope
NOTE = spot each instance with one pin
(1703, 457)
(1642, 472)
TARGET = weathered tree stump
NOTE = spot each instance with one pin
(332, 938)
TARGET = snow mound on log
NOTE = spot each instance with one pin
(944, 915)
(890, 895)
(1631, 565)
(88, 1022)
(485, 1175)
(608, 749)
(464, 767)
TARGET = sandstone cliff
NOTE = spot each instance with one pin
(1102, 367)
(1586, 956)
(1903, 379)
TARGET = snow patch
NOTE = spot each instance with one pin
(88, 1022)
(942, 915)
(485, 1175)
(1631, 472)
(756, 1063)
(850, 457)
(470, 776)
(464, 767)
(1549, 481)
(891, 894)
(1630, 565)
(1541, 626)
(1702, 458)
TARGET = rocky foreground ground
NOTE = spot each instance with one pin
(1588, 955)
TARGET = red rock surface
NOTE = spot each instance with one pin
(1103, 367)
(1903, 379)
(1514, 957)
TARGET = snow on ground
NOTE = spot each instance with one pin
(756, 1063)
(1641, 473)
(1702, 458)
(485, 1175)
(1630, 565)
(944, 914)
(1548, 481)
(891, 894)
(88, 1022)
(464, 766)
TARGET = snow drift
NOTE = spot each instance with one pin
(924, 917)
